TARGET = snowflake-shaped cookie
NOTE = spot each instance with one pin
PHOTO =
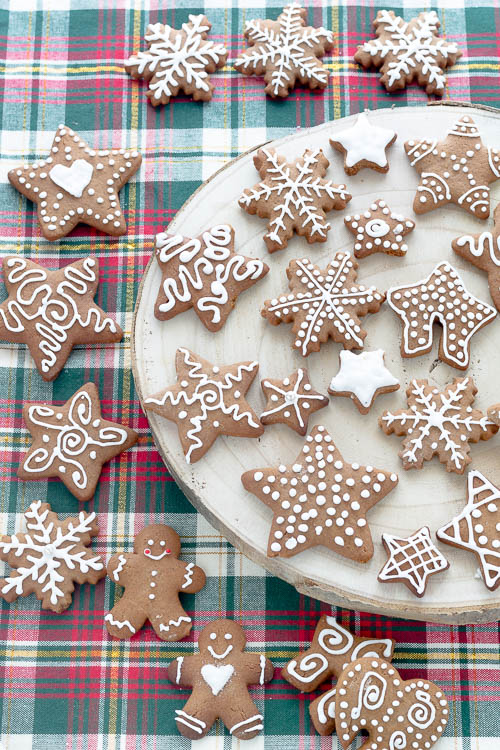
(178, 60)
(285, 51)
(50, 557)
(291, 401)
(439, 423)
(293, 196)
(407, 50)
(324, 303)
(379, 230)
(412, 560)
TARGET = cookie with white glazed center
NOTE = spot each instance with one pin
(364, 146)
(362, 377)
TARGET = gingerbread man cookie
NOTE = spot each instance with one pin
(412, 560)
(291, 401)
(379, 230)
(153, 577)
(219, 676)
(364, 145)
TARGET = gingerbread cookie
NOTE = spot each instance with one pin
(203, 273)
(364, 145)
(77, 184)
(291, 401)
(332, 649)
(50, 557)
(373, 698)
(293, 196)
(439, 423)
(219, 677)
(379, 230)
(412, 560)
(483, 251)
(178, 60)
(458, 169)
(324, 303)
(207, 401)
(476, 528)
(53, 311)
(153, 577)
(405, 51)
(440, 297)
(362, 377)
(320, 500)
(285, 52)
(72, 442)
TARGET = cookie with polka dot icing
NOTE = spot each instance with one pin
(76, 183)
(291, 401)
(373, 698)
(320, 500)
(379, 230)
(459, 169)
(153, 577)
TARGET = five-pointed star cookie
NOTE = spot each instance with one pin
(483, 251)
(379, 230)
(362, 377)
(285, 52)
(364, 145)
(477, 527)
(293, 196)
(320, 499)
(77, 184)
(333, 647)
(441, 297)
(205, 273)
(412, 560)
(72, 442)
(324, 303)
(291, 401)
(207, 401)
(439, 423)
(53, 311)
(458, 169)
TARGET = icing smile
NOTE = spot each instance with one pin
(148, 553)
(220, 656)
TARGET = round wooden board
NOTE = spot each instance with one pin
(430, 496)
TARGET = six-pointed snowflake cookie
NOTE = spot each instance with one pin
(458, 169)
(207, 401)
(405, 51)
(291, 401)
(203, 273)
(72, 442)
(293, 196)
(412, 560)
(477, 527)
(320, 500)
(77, 184)
(364, 145)
(50, 557)
(379, 230)
(439, 423)
(178, 59)
(285, 52)
(324, 303)
(363, 377)
(441, 297)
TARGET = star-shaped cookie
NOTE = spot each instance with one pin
(320, 500)
(362, 377)
(412, 560)
(458, 169)
(53, 311)
(291, 401)
(364, 145)
(379, 230)
(76, 183)
(207, 401)
(72, 442)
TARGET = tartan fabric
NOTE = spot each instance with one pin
(64, 683)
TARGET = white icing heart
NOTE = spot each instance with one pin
(217, 677)
(73, 179)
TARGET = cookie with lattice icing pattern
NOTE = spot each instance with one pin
(412, 560)
(379, 230)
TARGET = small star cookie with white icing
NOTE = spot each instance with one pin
(364, 145)
(77, 184)
(291, 401)
(412, 560)
(363, 377)
(72, 442)
(379, 230)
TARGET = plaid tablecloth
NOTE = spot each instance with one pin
(63, 682)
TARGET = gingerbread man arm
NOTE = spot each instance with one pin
(257, 668)
(182, 671)
(120, 567)
(193, 578)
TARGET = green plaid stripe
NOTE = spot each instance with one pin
(64, 683)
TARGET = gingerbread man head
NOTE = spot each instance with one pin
(157, 542)
(221, 639)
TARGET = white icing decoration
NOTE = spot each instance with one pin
(327, 701)
(254, 721)
(313, 664)
(174, 623)
(119, 623)
(477, 245)
(413, 558)
(423, 713)
(224, 653)
(178, 673)
(188, 575)
(364, 142)
(262, 663)
(362, 375)
(155, 557)
(73, 179)
(122, 561)
(378, 229)
(291, 398)
(190, 721)
(371, 694)
(217, 676)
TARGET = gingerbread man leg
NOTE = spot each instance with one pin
(242, 717)
(171, 624)
(125, 619)
(195, 719)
